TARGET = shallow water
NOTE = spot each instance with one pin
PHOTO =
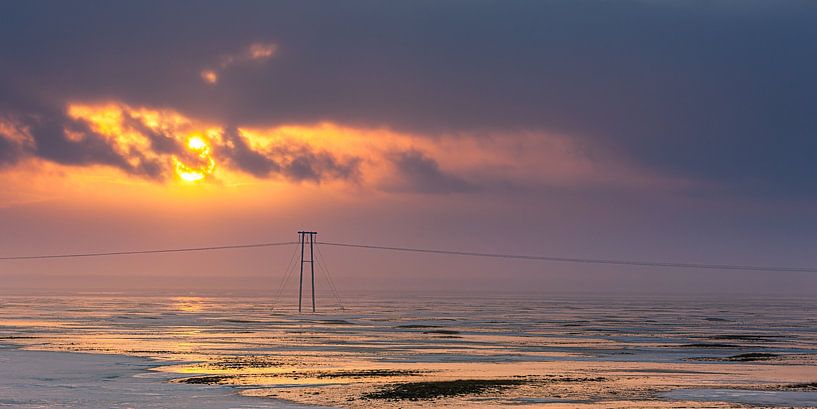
(643, 347)
(749, 397)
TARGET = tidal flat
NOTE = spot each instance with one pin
(543, 351)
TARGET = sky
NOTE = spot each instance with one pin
(637, 130)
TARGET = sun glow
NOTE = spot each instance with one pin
(200, 151)
(163, 144)
(188, 174)
(196, 143)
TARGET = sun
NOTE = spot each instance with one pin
(196, 143)
(204, 162)
(187, 174)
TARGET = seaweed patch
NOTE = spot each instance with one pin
(442, 389)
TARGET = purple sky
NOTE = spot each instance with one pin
(643, 130)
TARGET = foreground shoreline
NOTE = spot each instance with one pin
(54, 379)
(554, 353)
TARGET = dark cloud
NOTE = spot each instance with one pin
(418, 173)
(57, 138)
(50, 132)
(10, 151)
(160, 142)
(305, 163)
(295, 162)
(244, 158)
(718, 92)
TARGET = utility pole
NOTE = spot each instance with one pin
(303, 236)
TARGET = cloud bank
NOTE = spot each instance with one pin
(720, 93)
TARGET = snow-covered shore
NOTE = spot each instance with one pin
(40, 379)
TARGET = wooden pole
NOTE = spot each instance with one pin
(301, 282)
(312, 265)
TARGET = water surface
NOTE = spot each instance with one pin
(571, 350)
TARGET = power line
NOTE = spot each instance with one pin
(322, 267)
(579, 260)
(431, 251)
(285, 279)
(154, 251)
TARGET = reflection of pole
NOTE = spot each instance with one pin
(301, 282)
(312, 265)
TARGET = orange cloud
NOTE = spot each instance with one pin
(254, 52)
(193, 150)
(209, 76)
(259, 51)
(165, 145)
